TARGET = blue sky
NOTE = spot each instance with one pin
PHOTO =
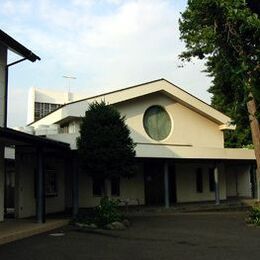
(106, 44)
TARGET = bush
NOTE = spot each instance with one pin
(254, 215)
(107, 212)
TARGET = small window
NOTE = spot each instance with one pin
(199, 180)
(98, 187)
(115, 186)
(211, 180)
(51, 183)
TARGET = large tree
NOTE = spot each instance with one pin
(226, 34)
(105, 147)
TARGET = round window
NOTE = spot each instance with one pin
(157, 123)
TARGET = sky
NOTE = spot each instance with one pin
(105, 44)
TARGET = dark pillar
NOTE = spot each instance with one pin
(216, 178)
(75, 188)
(166, 185)
(40, 188)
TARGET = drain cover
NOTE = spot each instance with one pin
(57, 234)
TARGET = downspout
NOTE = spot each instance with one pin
(6, 87)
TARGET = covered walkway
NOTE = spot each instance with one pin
(41, 147)
(15, 229)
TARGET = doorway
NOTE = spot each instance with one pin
(154, 183)
(9, 200)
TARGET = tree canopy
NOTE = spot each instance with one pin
(105, 147)
(226, 34)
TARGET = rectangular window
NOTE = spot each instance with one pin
(64, 129)
(211, 180)
(42, 109)
(51, 183)
(199, 180)
(98, 187)
(115, 186)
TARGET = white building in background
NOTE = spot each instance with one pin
(41, 102)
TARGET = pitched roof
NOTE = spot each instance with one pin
(121, 95)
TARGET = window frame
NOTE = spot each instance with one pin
(149, 131)
(211, 176)
(48, 183)
(116, 181)
(199, 180)
(95, 183)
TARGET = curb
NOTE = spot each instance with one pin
(42, 228)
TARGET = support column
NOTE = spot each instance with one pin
(2, 181)
(40, 188)
(166, 185)
(75, 188)
(3, 63)
(216, 179)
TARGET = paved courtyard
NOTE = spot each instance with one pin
(181, 236)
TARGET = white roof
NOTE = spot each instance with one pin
(78, 108)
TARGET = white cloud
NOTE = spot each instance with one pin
(15, 7)
(133, 42)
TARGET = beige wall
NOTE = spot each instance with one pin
(24, 185)
(186, 182)
(131, 189)
(232, 183)
(57, 203)
(238, 180)
(25, 201)
(188, 127)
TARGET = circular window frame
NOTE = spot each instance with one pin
(171, 123)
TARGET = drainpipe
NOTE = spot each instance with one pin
(216, 178)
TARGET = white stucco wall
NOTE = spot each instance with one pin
(131, 189)
(25, 195)
(186, 182)
(24, 185)
(188, 127)
(238, 180)
(232, 182)
(57, 203)
(202, 132)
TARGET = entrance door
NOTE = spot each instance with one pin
(9, 189)
(154, 183)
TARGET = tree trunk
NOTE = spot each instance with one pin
(254, 125)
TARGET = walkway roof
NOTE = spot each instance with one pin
(12, 137)
(17, 47)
